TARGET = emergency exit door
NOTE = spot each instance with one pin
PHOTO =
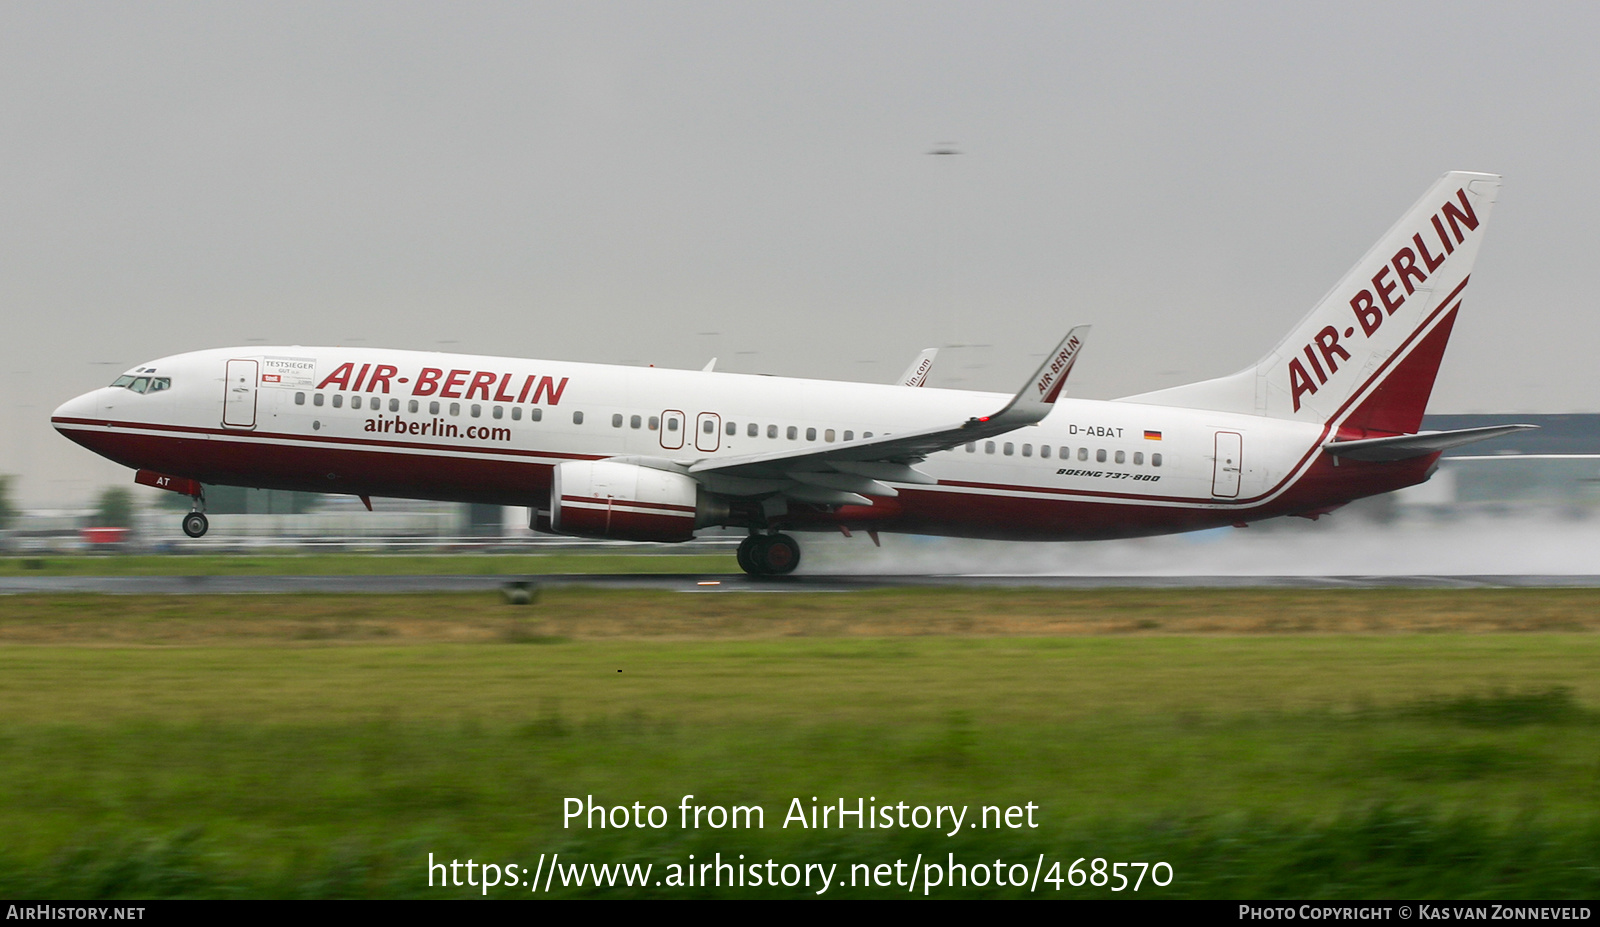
(707, 431)
(239, 402)
(1229, 464)
(672, 429)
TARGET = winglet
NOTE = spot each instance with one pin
(1032, 403)
(917, 373)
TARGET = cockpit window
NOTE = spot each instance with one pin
(143, 384)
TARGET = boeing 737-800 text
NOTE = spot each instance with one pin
(1327, 416)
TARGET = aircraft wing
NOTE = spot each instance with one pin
(846, 474)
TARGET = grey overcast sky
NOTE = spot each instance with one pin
(663, 182)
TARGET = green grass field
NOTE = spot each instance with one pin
(1264, 743)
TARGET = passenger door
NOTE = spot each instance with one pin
(1228, 466)
(239, 400)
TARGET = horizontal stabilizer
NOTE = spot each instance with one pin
(1405, 447)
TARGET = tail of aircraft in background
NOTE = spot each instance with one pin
(1364, 359)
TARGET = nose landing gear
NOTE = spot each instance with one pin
(768, 554)
(195, 524)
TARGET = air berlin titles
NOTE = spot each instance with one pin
(487, 385)
(1405, 270)
(1049, 385)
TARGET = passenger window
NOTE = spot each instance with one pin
(316, 399)
(793, 432)
(1083, 453)
(433, 408)
(394, 406)
(708, 427)
(1122, 457)
(731, 429)
(498, 412)
(577, 418)
(634, 422)
(1138, 458)
(849, 435)
(772, 431)
(516, 413)
(811, 434)
(535, 415)
(616, 420)
(1027, 450)
(1155, 460)
(988, 447)
(1010, 449)
(1100, 455)
(655, 422)
(752, 430)
(477, 410)
(1044, 451)
(828, 436)
(338, 400)
(866, 434)
(299, 399)
(455, 408)
(411, 406)
(672, 424)
(972, 447)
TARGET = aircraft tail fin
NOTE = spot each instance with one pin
(1364, 359)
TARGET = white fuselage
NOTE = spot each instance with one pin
(489, 429)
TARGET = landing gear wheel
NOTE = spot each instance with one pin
(746, 552)
(777, 555)
(195, 524)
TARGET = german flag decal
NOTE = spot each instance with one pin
(1152, 435)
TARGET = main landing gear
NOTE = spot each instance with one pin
(768, 554)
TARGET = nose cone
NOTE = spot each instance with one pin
(80, 407)
(76, 417)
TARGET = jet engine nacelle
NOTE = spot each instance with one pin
(602, 499)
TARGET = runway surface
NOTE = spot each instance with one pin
(712, 583)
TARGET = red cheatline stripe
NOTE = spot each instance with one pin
(1097, 494)
(265, 436)
(630, 503)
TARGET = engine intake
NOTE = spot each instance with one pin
(602, 499)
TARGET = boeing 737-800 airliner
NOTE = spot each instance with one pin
(1327, 416)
